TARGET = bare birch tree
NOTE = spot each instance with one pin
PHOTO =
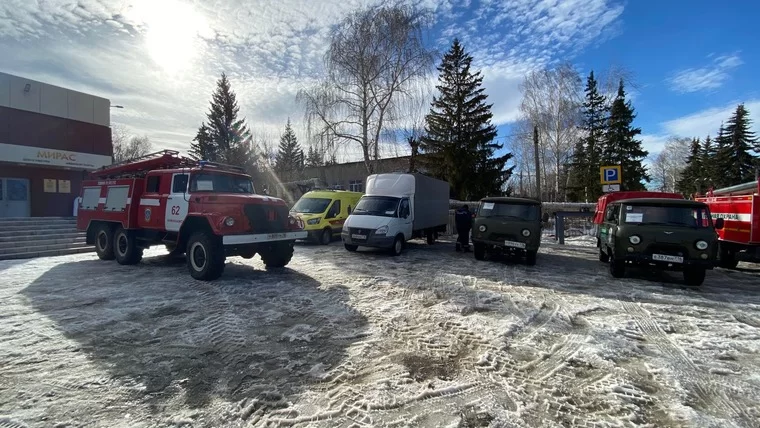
(551, 101)
(375, 58)
(669, 163)
(126, 146)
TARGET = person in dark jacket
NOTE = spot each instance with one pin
(463, 222)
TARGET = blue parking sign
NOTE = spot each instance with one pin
(610, 174)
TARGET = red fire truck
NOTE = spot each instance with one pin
(206, 210)
(739, 206)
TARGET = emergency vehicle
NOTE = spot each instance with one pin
(739, 207)
(207, 210)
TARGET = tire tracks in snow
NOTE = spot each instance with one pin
(704, 389)
(224, 327)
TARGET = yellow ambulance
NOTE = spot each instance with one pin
(324, 212)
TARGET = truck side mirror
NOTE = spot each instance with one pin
(719, 223)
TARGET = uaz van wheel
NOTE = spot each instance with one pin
(530, 258)
(479, 250)
(617, 268)
(603, 257)
(398, 246)
(205, 256)
(694, 276)
(125, 247)
(104, 243)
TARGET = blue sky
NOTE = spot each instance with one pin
(691, 61)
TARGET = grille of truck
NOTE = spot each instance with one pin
(266, 218)
(503, 237)
(666, 249)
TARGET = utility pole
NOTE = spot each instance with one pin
(538, 165)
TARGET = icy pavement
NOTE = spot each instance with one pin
(432, 338)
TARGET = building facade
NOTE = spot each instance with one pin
(49, 138)
(343, 176)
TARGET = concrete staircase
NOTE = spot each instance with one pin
(30, 237)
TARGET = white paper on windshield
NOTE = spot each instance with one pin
(391, 212)
(487, 205)
(205, 185)
(634, 217)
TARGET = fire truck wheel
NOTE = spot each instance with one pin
(727, 258)
(205, 256)
(103, 243)
(125, 247)
(277, 254)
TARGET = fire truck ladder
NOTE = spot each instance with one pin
(141, 165)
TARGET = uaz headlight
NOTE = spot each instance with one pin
(634, 239)
(701, 245)
(526, 233)
(482, 228)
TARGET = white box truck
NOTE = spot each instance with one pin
(395, 208)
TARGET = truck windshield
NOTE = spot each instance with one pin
(697, 217)
(221, 183)
(382, 206)
(525, 212)
(311, 205)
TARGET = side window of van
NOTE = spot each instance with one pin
(611, 214)
(334, 209)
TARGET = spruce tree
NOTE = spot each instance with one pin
(587, 161)
(290, 157)
(459, 137)
(223, 137)
(692, 177)
(707, 159)
(722, 159)
(578, 173)
(314, 158)
(739, 141)
(621, 146)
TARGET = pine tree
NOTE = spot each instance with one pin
(578, 173)
(224, 137)
(314, 158)
(722, 158)
(290, 158)
(692, 177)
(707, 160)
(739, 141)
(459, 136)
(588, 155)
(621, 146)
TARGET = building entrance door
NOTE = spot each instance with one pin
(14, 197)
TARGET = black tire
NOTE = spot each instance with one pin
(104, 242)
(727, 258)
(431, 238)
(530, 258)
(247, 254)
(326, 236)
(603, 257)
(351, 247)
(694, 276)
(277, 254)
(479, 250)
(205, 256)
(125, 247)
(398, 246)
(617, 268)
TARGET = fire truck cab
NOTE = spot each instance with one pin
(739, 207)
(207, 210)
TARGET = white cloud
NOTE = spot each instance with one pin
(705, 78)
(161, 59)
(705, 122)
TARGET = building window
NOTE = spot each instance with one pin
(356, 186)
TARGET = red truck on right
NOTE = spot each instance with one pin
(739, 207)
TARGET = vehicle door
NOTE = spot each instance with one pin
(177, 202)
(405, 218)
(335, 216)
(609, 227)
(151, 214)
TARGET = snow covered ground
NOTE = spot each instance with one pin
(432, 338)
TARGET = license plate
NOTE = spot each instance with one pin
(276, 235)
(514, 244)
(357, 236)
(664, 258)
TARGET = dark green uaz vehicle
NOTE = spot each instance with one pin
(668, 234)
(509, 226)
